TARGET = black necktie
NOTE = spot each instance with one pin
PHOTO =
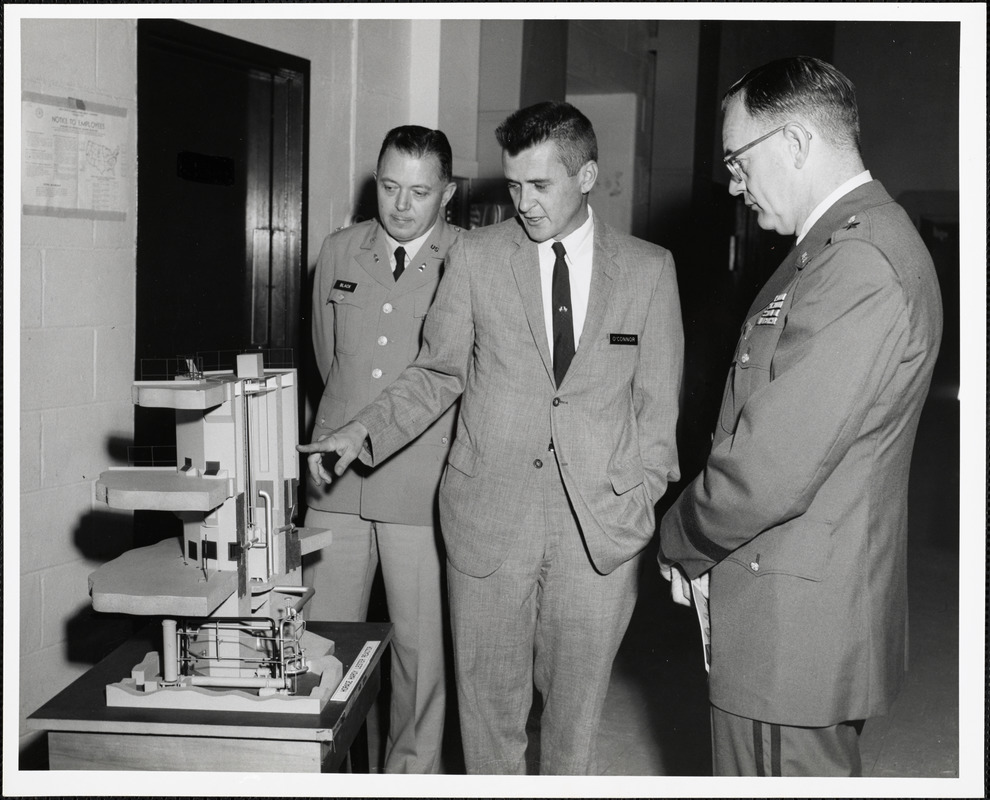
(400, 261)
(563, 323)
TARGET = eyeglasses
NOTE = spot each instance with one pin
(731, 160)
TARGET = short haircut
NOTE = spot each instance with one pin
(560, 123)
(419, 142)
(805, 87)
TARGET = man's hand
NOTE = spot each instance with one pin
(680, 586)
(346, 442)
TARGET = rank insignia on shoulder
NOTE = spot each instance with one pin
(339, 229)
(345, 286)
(851, 223)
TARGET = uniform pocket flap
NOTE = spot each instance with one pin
(625, 476)
(463, 458)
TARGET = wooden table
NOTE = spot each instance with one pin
(83, 733)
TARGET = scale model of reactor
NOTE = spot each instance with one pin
(230, 593)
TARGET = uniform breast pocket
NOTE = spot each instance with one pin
(348, 313)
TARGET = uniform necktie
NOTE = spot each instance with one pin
(400, 261)
(563, 323)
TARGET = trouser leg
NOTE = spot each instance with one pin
(582, 618)
(341, 574)
(411, 571)
(493, 622)
(747, 747)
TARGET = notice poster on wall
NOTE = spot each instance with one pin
(71, 158)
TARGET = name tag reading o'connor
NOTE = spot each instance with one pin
(623, 338)
(345, 286)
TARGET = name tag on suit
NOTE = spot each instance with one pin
(623, 338)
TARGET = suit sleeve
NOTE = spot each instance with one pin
(842, 337)
(657, 385)
(323, 342)
(431, 384)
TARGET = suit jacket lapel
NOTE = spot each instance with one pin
(525, 263)
(603, 268)
(373, 256)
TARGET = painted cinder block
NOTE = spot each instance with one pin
(30, 615)
(56, 367)
(114, 361)
(63, 53)
(30, 433)
(88, 288)
(30, 274)
(75, 444)
(116, 54)
(51, 525)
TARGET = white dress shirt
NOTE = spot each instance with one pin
(411, 248)
(828, 202)
(579, 249)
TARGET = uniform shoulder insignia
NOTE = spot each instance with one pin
(851, 223)
(338, 229)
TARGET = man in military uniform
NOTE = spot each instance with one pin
(797, 528)
(374, 284)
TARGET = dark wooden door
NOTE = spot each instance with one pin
(221, 218)
(221, 160)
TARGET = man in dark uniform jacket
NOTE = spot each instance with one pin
(797, 528)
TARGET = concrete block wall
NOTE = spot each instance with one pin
(77, 310)
(77, 356)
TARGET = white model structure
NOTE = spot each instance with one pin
(230, 592)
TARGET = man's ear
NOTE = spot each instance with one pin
(448, 193)
(799, 141)
(588, 174)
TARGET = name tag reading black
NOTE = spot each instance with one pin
(623, 338)
(345, 286)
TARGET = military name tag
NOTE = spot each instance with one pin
(345, 286)
(623, 338)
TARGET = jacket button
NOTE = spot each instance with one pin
(745, 358)
(376, 373)
(556, 401)
(443, 440)
(387, 308)
(538, 463)
(383, 340)
(754, 565)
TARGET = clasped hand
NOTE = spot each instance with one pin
(345, 442)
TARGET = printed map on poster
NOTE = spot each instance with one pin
(71, 155)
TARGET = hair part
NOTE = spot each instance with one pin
(560, 123)
(802, 87)
(419, 142)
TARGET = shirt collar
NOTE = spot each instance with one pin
(412, 247)
(828, 202)
(576, 239)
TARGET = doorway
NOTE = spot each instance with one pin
(222, 164)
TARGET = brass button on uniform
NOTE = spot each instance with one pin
(387, 308)
(376, 373)
(538, 464)
(745, 358)
(383, 340)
